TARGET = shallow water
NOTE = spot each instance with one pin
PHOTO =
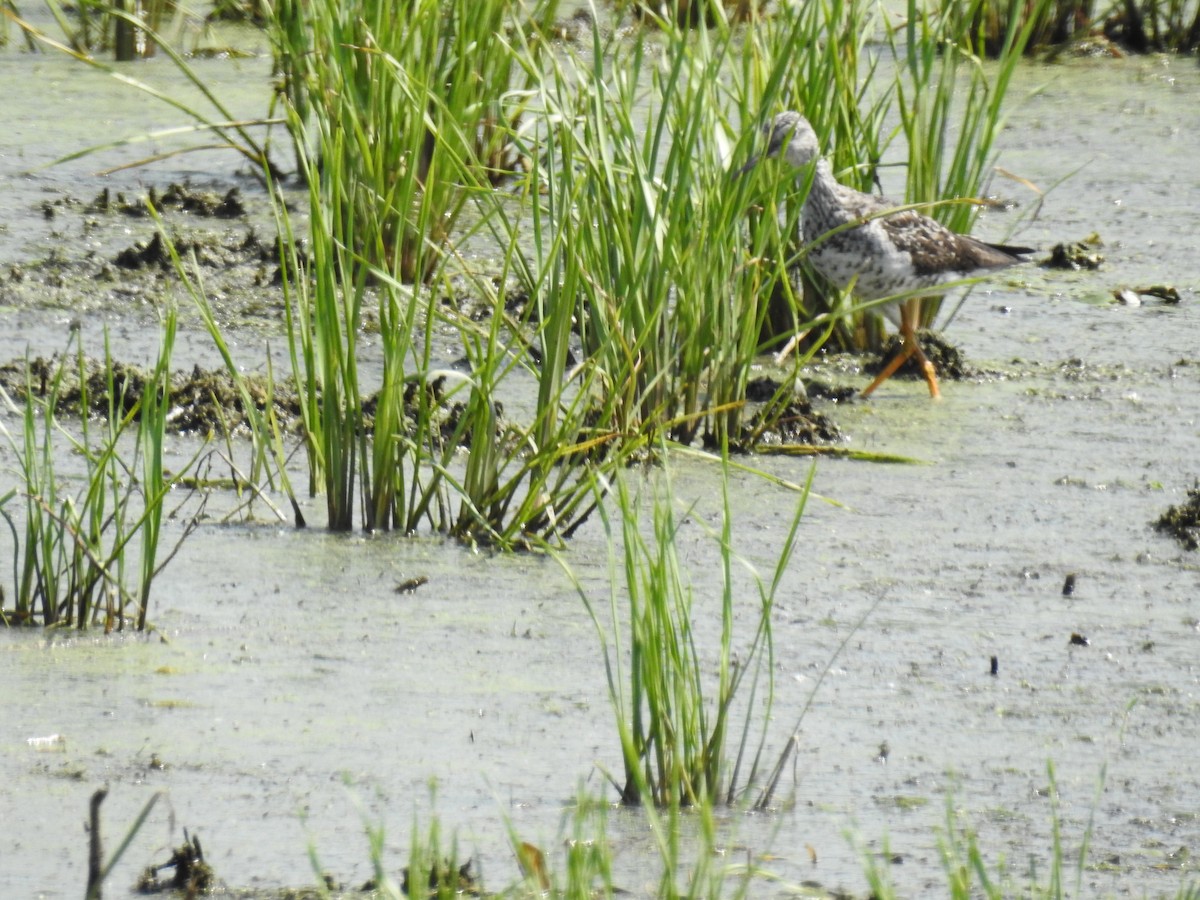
(286, 662)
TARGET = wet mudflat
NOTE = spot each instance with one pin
(287, 663)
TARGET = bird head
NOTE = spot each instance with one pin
(790, 134)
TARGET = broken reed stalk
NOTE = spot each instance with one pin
(95, 847)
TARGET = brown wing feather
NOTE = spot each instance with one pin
(935, 248)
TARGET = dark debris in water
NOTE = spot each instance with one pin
(211, 251)
(202, 401)
(786, 417)
(190, 875)
(183, 198)
(1075, 255)
(1183, 522)
(176, 197)
(206, 401)
(1132, 296)
(1164, 292)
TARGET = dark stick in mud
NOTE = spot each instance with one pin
(95, 850)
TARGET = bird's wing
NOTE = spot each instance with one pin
(933, 247)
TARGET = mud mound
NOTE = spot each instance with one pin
(202, 401)
(1183, 522)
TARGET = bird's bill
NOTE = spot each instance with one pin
(742, 170)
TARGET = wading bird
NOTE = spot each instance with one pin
(862, 242)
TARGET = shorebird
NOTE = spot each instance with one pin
(862, 242)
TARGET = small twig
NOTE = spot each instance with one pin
(95, 850)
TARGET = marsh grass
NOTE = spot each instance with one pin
(1153, 26)
(692, 12)
(588, 867)
(933, 105)
(647, 229)
(1149, 26)
(434, 868)
(983, 26)
(433, 450)
(691, 859)
(398, 118)
(122, 27)
(676, 726)
(394, 141)
(8, 9)
(99, 869)
(689, 856)
(971, 873)
(90, 557)
(668, 299)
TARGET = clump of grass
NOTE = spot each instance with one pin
(983, 26)
(90, 557)
(1154, 26)
(667, 277)
(970, 874)
(434, 869)
(513, 485)
(92, 27)
(401, 139)
(674, 724)
(933, 106)
(1150, 26)
(396, 118)
(269, 456)
(589, 857)
(689, 844)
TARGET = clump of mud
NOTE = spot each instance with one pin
(202, 401)
(190, 875)
(179, 197)
(206, 401)
(790, 420)
(946, 358)
(1075, 255)
(1183, 522)
(108, 254)
(210, 251)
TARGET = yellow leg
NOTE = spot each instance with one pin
(909, 314)
(928, 370)
(890, 369)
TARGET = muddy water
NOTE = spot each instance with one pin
(287, 664)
